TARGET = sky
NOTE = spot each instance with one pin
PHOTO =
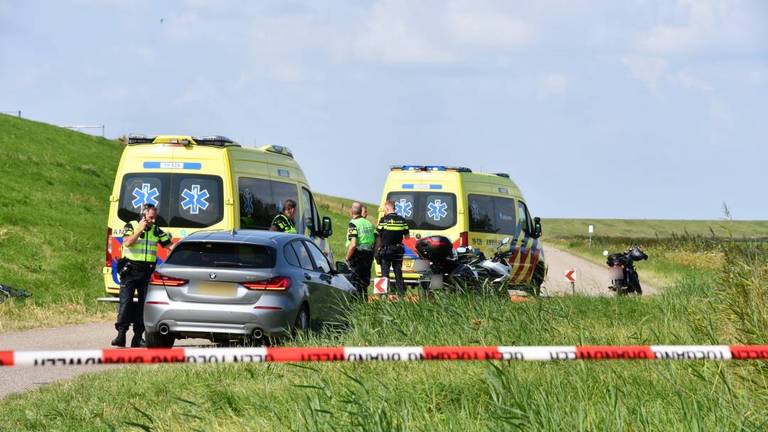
(597, 109)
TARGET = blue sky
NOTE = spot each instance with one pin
(633, 109)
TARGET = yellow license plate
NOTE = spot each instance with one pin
(218, 289)
(408, 264)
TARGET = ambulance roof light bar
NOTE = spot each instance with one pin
(428, 168)
(212, 140)
(282, 150)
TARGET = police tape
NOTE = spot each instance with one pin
(358, 354)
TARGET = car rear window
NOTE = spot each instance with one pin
(222, 255)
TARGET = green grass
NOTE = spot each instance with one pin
(651, 228)
(611, 395)
(53, 206)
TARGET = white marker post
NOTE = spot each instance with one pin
(381, 286)
(591, 229)
(570, 276)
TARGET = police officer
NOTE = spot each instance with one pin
(283, 222)
(361, 236)
(389, 244)
(140, 239)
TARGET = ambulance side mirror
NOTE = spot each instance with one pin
(327, 230)
(536, 227)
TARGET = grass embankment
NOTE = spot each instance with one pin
(54, 185)
(654, 228)
(338, 210)
(610, 395)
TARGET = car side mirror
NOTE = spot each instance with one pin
(536, 227)
(327, 230)
(342, 267)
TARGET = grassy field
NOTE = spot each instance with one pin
(651, 228)
(53, 189)
(611, 395)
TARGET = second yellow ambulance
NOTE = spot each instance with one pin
(470, 208)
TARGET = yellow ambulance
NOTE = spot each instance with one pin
(471, 209)
(206, 183)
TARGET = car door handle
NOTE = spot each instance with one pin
(307, 276)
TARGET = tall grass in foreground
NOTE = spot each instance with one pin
(460, 396)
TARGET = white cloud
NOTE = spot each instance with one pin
(647, 69)
(398, 31)
(489, 29)
(287, 73)
(554, 84)
(704, 24)
(403, 31)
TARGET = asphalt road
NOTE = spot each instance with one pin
(592, 279)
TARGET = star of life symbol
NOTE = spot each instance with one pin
(194, 199)
(248, 202)
(404, 208)
(437, 210)
(146, 195)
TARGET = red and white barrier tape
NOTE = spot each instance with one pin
(416, 353)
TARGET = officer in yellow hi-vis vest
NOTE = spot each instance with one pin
(361, 236)
(283, 222)
(140, 239)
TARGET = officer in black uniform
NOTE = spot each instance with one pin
(139, 255)
(389, 244)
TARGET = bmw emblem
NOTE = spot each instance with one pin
(212, 276)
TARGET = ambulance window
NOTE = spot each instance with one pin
(490, 214)
(309, 219)
(261, 200)
(522, 217)
(505, 215)
(439, 211)
(425, 210)
(197, 201)
(143, 188)
(481, 214)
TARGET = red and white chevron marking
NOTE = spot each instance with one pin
(415, 353)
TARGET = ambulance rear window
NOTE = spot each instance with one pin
(182, 200)
(425, 210)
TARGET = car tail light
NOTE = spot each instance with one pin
(279, 283)
(108, 249)
(163, 280)
(464, 239)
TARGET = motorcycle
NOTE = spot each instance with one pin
(444, 262)
(624, 277)
(465, 263)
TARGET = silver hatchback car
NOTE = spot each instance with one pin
(220, 285)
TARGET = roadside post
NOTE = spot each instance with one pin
(570, 276)
(381, 286)
(591, 229)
